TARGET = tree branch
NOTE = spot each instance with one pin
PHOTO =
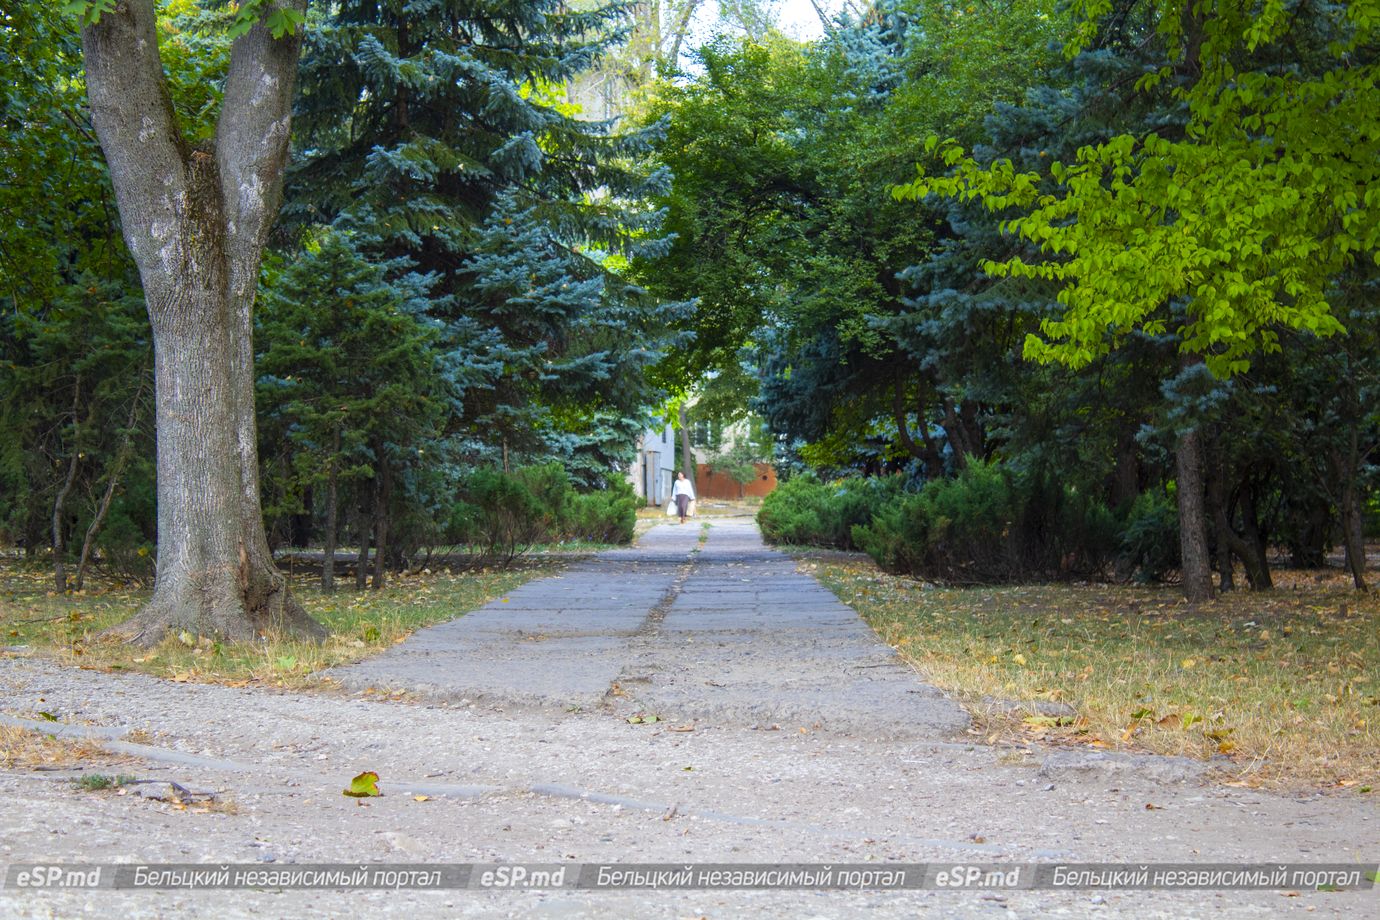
(898, 412)
(252, 141)
(133, 116)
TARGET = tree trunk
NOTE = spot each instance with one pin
(332, 508)
(1256, 542)
(1353, 530)
(1308, 545)
(1245, 549)
(117, 468)
(1353, 535)
(382, 489)
(97, 522)
(1125, 484)
(687, 453)
(672, 61)
(1196, 567)
(362, 562)
(60, 503)
(1225, 562)
(964, 434)
(195, 220)
(59, 511)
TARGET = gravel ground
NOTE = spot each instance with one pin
(878, 772)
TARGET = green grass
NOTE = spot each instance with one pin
(362, 623)
(96, 782)
(1280, 688)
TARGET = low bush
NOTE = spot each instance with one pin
(605, 516)
(990, 524)
(803, 511)
(501, 515)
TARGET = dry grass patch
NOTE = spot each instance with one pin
(1279, 688)
(362, 623)
(28, 749)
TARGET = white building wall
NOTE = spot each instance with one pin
(654, 468)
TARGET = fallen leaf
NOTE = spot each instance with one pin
(364, 785)
(421, 798)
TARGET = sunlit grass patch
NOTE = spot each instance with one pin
(362, 623)
(1280, 687)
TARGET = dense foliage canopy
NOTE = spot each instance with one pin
(1082, 289)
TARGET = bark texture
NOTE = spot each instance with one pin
(1196, 565)
(195, 219)
(1345, 470)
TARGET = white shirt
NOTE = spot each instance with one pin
(683, 487)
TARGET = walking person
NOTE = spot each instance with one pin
(683, 493)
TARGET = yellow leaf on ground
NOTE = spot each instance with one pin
(364, 785)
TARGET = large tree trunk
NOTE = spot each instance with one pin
(195, 221)
(1196, 567)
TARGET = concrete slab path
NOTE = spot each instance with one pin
(692, 623)
(517, 748)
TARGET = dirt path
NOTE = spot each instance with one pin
(808, 743)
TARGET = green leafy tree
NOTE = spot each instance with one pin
(1222, 233)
